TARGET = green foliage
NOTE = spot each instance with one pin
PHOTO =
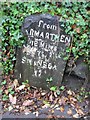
(10, 90)
(0, 92)
(49, 79)
(74, 16)
(3, 82)
(25, 82)
(53, 88)
(58, 90)
(83, 93)
(62, 88)
(5, 97)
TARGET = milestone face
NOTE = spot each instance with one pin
(42, 55)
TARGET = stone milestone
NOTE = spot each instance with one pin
(40, 60)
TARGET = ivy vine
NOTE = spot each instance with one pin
(74, 16)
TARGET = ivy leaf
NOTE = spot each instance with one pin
(65, 58)
(4, 82)
(5, 97)
(62, 88)
(53, 88)
(58, 92)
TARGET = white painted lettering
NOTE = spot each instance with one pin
(47, 36)
(62, 39)
(56, 37)
(42, 34)
(55, 67)
(26, 32)
(31, 32)
(35, 43)
(40, 23)
(35, 73)
(67, 39)
(47, 26)
(52, 36)
(39, 73)
(42, 44)
(49, 66)
(36, 33)
(44, 65)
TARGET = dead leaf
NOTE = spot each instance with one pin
(69, 112)
(51, 98)
(77, 106)
(46, 106)
(73, 105)
(16, 110)
(79, 111)
(56, 106)
(77, 30)
(73, 93)
(73, 99)
(36, 113)
(69, 92)
(74, 26)
(55, 94)
(27, 111)
(8, 54)
(58, 116)
(12, 99)
(38, 95)
(50, 116)
(28, 102)
(52, 106)
(20, 87)
(62, 100)
(28, 95)
(22, 108)
(17, 106)
(15, 82)
(56, 100)
(11, 72)
(52, 111)
(76, 115)
(6, 92)
(4, 59)
(62, 109)
(35, 93)
(10, 108)
(43, 93)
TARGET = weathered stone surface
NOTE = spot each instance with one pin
(80, 69)
(73, 82)
(40, 60)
